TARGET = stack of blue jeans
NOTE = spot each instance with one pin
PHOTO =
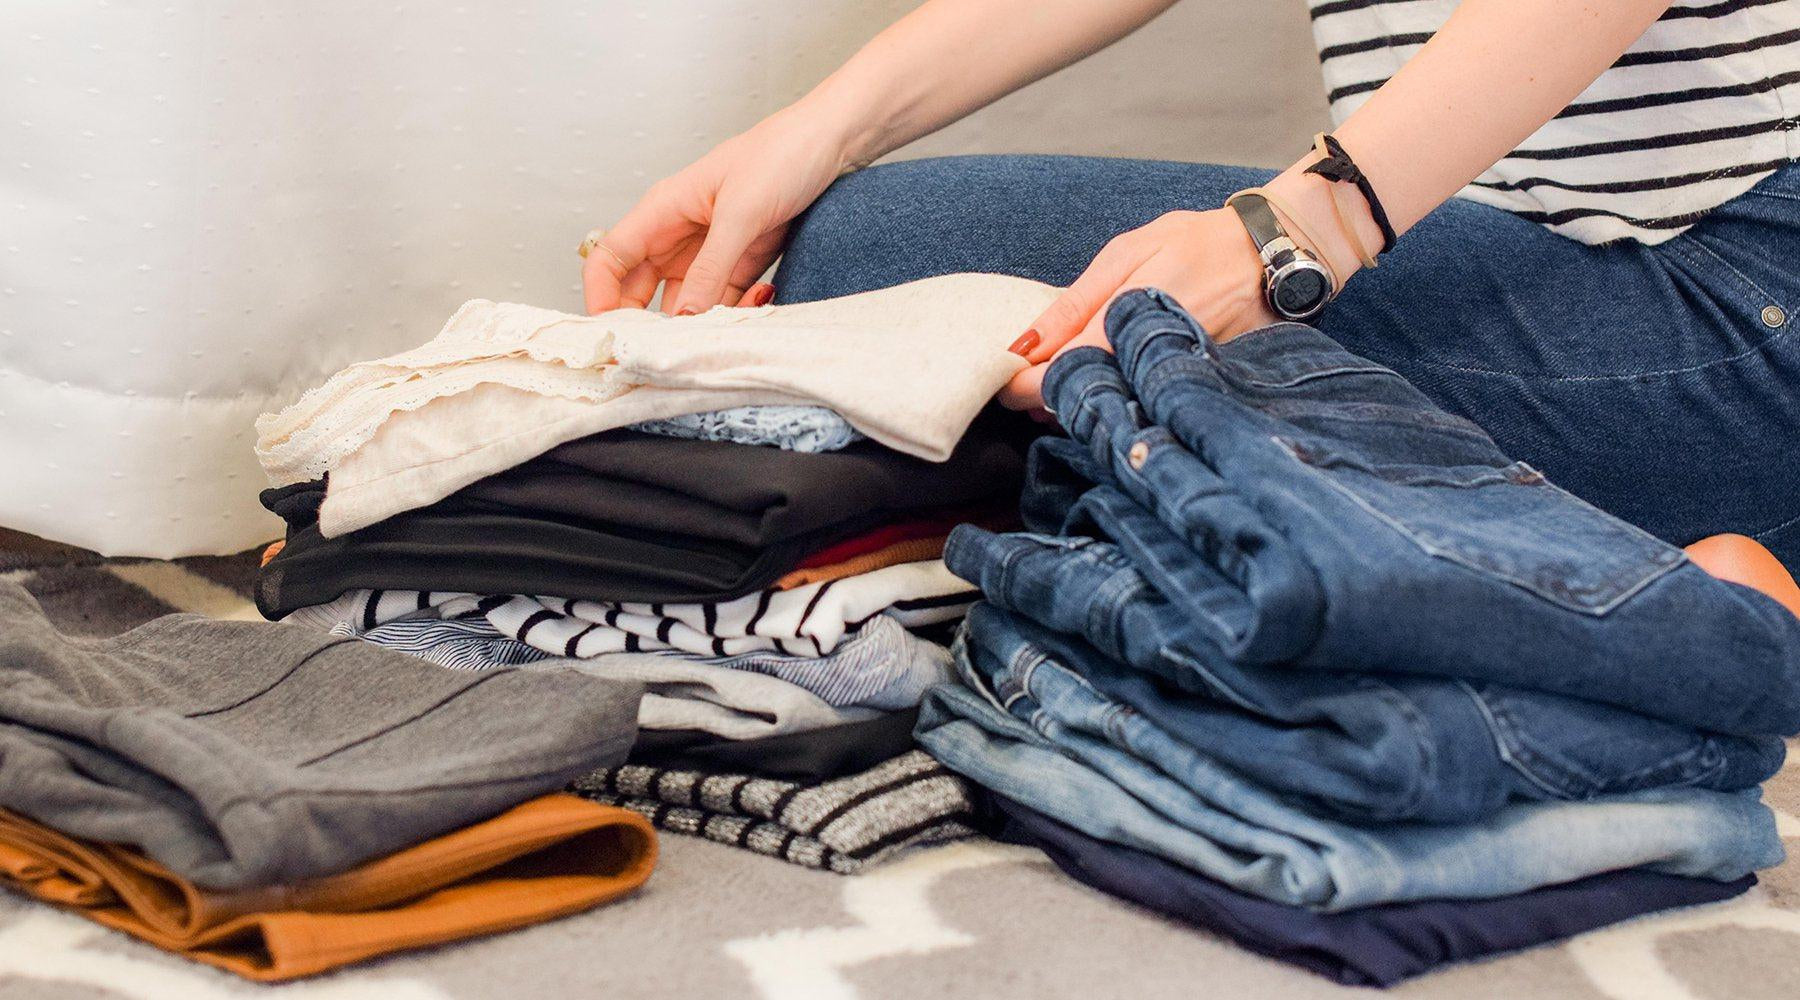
(1281, 621)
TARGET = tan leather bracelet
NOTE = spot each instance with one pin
(1294, 219)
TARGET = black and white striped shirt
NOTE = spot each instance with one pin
(1702, 107)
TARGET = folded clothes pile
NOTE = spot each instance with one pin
(1292, 653)
(744, 512)
(277, 803)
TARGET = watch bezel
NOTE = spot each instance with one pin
(1276, 273)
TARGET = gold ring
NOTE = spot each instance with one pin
(596, 238)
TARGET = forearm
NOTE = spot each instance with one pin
(1494, 74)
(950, 57)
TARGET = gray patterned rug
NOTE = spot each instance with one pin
(972, 920)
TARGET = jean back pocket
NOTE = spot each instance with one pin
(1504, 521)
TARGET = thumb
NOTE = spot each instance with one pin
(1081, 302)
(1025, 391)
(707, 277)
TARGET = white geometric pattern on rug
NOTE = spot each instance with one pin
(893, 902)
(183, 589)
(49, 946)
(1622, 961)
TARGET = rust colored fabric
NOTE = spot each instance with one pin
(915, 550)
(546, 858)
(996, 518)
(272, 551)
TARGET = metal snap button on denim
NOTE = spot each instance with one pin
(1773, 316)
(1138, 453)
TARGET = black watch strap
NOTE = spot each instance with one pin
(1259, 219)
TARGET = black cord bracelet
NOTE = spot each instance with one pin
(1338, 167)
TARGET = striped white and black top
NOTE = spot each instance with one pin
(1702, 107)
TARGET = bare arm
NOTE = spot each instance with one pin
(1494, 74)
(949, 58)
(704, 234)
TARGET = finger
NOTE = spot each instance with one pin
(758, 294)
(639, 287)
(671, 289)
(676, 264)
(1091, 335)
(703, 285)
(1081, 301)
(1156, 273)
(1025, 391)
(603, 277)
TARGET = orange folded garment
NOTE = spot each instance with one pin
(543, 859)
(911, 550)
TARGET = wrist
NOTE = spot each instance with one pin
(1313, 197)
(849, 126)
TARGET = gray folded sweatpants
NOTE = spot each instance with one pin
(250, 753)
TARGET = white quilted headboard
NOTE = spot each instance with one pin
(205, 207)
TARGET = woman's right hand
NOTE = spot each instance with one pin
(707, 232)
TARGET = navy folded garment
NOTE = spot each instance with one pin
(1372, 946)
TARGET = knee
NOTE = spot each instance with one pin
(1744, 561)
(871, 229)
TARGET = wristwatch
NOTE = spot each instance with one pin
(1295, 283)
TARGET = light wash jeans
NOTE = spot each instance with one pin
(1056, 745)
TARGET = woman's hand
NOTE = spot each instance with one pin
(1204, 259)
(711, 229)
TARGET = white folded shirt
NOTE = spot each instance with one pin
(909, 366)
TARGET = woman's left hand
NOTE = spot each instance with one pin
(1204, 259)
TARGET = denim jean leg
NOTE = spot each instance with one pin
(1384, 746)
(1038, 217)
(1406, 513)
(1251, 841)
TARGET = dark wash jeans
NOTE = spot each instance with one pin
(1346, 523)
(1363, 747)
(1660, 383)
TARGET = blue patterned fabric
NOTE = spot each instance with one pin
(810, 429)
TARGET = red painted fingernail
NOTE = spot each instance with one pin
(761, 294)
(1026, 343)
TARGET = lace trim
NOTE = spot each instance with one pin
(313, 449)
(525, 347)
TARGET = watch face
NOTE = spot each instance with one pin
(1300, 291)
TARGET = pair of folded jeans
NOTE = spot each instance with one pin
(1345, 523)
(1376, 746)
(1033, 731)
